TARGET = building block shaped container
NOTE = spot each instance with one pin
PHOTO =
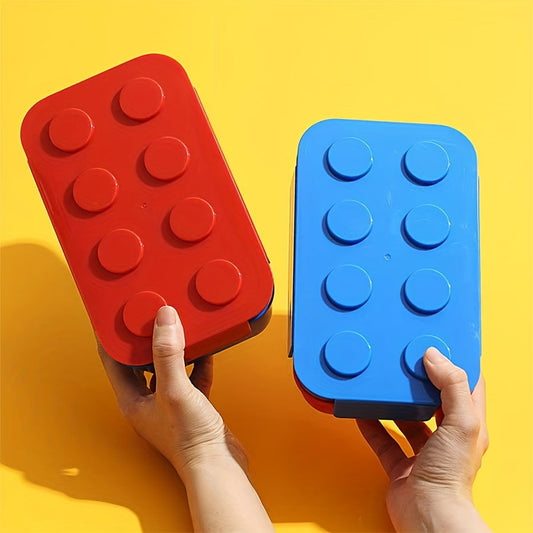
(385, 264)
(146, 210)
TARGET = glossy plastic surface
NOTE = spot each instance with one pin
(386, 264)
(146, 209)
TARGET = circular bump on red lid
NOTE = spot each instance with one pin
(414, 353)
(141, 98)
(95, 189)
(349, 158)
(166, 158)
(347, 353)
(120, 251)
(192, 219)
(71, 129)
(140, 311)
(427, 162)
(218, 282)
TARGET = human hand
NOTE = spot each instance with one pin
(432, 489)
(174, 414)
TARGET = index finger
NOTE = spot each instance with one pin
(479, 399)
(480, 406)
(125, 385)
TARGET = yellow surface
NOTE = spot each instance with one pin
(265, 71)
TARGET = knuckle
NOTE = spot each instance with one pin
(165, 348)
(126, 410)
(129, 409)
(470, 428)
(484, 441)
(457, 375)
(385, 448)
(170, 399)
(173, 399)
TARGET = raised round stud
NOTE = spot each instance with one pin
(427, 162)
(349, 221)
(95, 189)
(349, 158)
(166, 158)
(192, 219)
(218, 282)
(427, 226)
(414, 353)
(71, 129)
(120, 251)
(348, 286)
(427, 291)
(347, 354)
(141, 98)
(139, 312)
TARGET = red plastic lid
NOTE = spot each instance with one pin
(320, 404)
(150, 179)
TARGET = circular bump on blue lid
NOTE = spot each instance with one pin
(414, 353)
(348, 286)
(349, 158)
(427, 291)
(427, 162)
(427, 226)
(349, 221)
(347, 353)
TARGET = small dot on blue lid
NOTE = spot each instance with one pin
(349, 158)
(349, 221)
(427, 162)
(347, 354)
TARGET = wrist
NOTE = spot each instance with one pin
(451, 513)
(221, 496)
(226, 453)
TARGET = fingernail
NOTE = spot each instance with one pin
(433, 355)
(166, 316)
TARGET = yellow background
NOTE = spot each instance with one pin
(265, 71)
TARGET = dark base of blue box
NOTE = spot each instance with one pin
(381, 411)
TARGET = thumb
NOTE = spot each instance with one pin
(168, 344)
(452, 381)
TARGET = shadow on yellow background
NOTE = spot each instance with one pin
(60, 426)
